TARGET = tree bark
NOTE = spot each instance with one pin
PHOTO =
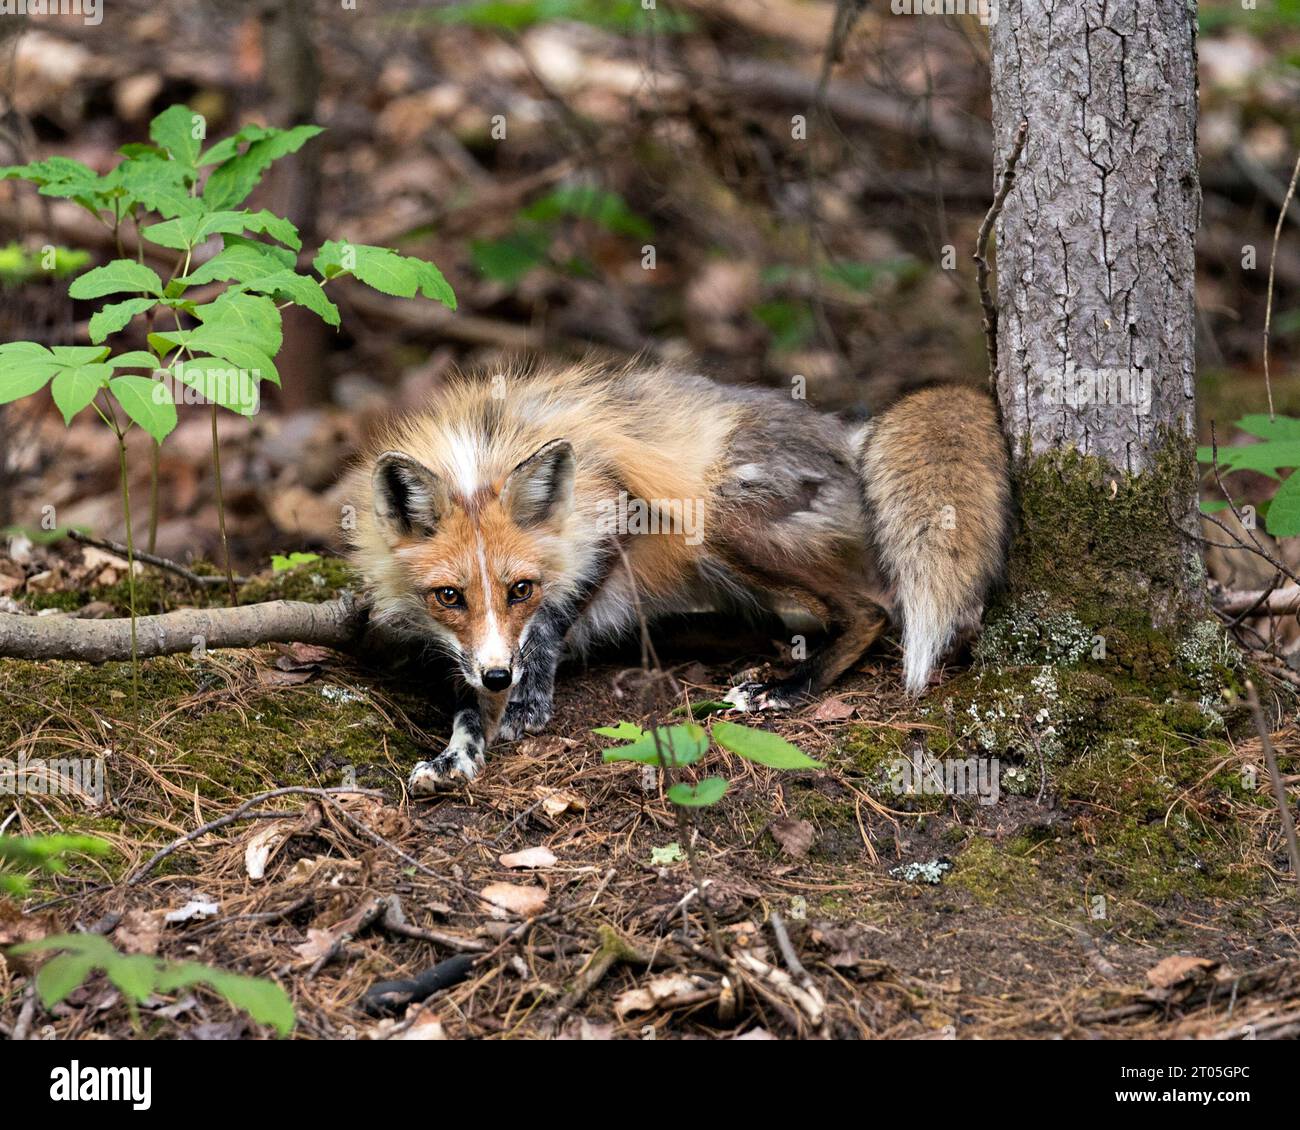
(1096, 273)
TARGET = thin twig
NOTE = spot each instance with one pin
(1279, 790)
(119, 550)
(1272, 259)
(784, 944)
(240, 813)
(982, 248)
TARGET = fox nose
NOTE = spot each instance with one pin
(497, 678)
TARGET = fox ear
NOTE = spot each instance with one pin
(541, 487)
(409, 499)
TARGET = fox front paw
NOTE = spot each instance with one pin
(458, 763)
(753, 697)
(524, 716)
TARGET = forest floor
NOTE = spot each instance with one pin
(1141, 892)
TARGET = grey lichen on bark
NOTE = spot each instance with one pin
(1096, 293)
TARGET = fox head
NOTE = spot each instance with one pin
(476, 564)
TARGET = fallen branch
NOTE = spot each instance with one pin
(1279, 602)
(337, 623)
(153, 559)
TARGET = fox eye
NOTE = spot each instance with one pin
(449, 597)
(520, 591)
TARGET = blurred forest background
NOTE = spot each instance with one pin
(763, 188)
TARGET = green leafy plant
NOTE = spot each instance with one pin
(218, 347)
(1277, 451)
(675, 747)
(788, 314)
(41, 853)
(508, 259)
(280, 563)
(138, 976)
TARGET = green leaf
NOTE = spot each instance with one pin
(228, 147)
(62, 975)
(249, 317)
(790, 323)
(23, 373)
(1267, 458)
(1212, 506)
(680, 745)
(761, 746)
(121, 275)
(74, 389)
(708, 791)
(239, 263)
(221, 382)
(264, 1000)
(79, 354)
(1284, 513)
(623, 731)
(147, 402)
(157, 183)
(587, 202)
(116, 316)
(300, 289)
(386, 271)
(174, 131)
(510, 258)
(135, 359)
(64, 177)
(280, 563)
(134, 975)
(237, 176)
(188, 231)
(53, 170)
(1281, 427)
(226, 344)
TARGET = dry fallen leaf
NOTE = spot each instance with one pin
(505, 898)
(426, 1026)
(833, 710)
(556, 801)
(265, 844)
(318, 945)
(666, 992)
(1177, 968)
(139, 931)
(534, 857)
(795, 836)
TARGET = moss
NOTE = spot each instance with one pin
(1006, 874)
(321, 580)
(158, 591)
(1153, 826)
(1100, 541)
(203, 728)
(63, 601)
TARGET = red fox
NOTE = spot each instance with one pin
(535, 511)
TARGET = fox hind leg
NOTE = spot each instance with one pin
(854, 629)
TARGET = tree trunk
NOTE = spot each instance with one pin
(1096, 329)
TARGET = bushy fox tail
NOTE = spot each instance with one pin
(935, 484)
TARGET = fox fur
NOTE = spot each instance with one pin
(534, 512)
